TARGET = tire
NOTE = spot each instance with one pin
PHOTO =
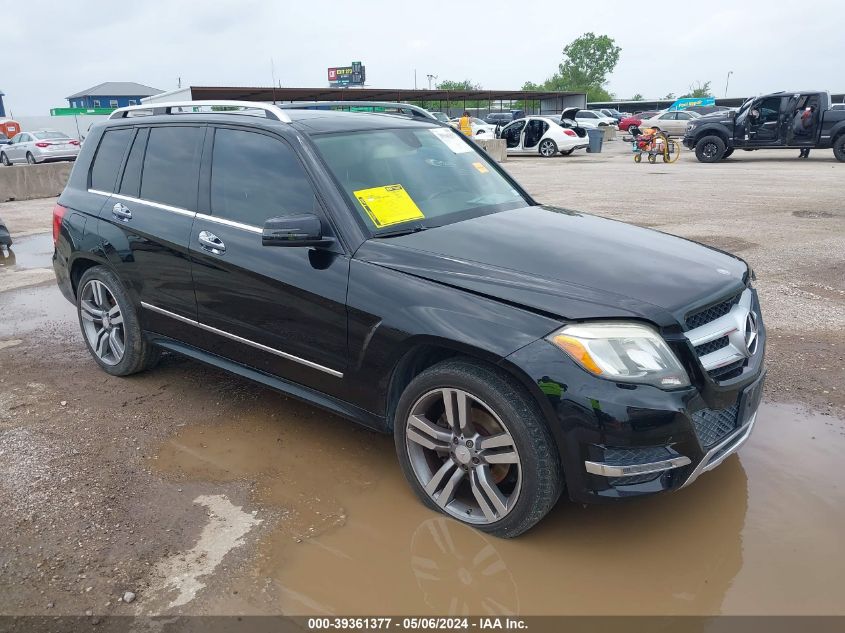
(5, 160)
(567, 152)
(547, 148)
(839, 148)
(454, 457)
(709, 149)
(101, 291)
(652, 159)
(728, 152)
(30, 159)
(638, 158)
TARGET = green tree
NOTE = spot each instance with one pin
(671, 95)
(466, 84)
(587, 62)
(638, 97)
(698, 91)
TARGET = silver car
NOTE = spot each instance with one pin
(38, 147)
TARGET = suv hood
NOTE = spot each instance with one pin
(567, 264)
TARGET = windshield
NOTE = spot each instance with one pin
(440, 117)
(48, 134)
(421, 177)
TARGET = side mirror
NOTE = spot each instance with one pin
(304, 229)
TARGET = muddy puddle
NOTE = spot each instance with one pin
(762, 534)
(26, 253)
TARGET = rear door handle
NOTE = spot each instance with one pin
(121, 212)
(211, 243)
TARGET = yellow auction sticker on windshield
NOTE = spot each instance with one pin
(480, 167)
(388, 205)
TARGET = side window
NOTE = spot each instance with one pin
(255, 177)
(171, 166)
(24, 138)
(113, 103)
(684, 116)
(669, 116)
(130, 184)
(108, 158)
(96, 103)
(769, 110)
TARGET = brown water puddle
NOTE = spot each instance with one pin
(762, 534)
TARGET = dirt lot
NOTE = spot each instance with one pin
(202, 493)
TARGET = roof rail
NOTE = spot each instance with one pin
(184, 107)
(401, 108)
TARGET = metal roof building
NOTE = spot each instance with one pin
(535, 102)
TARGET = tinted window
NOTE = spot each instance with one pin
(108, 159)
(130, 185)
(255, 177)
(171, 166)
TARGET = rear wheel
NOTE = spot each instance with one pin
(710, 149)
(474, 446)
(839, 148)
(110, 325)
(548, 148)
(30, 158)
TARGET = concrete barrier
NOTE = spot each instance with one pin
(609, 133)
(495, 147)
(26, 182)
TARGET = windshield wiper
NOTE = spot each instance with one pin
(406, 231)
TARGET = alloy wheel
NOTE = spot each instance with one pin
(463, 456)
(709, 150)
(102, 322)
(30, 159)
(547, 148)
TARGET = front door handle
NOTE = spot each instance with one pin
(121, 212)
(211, 243)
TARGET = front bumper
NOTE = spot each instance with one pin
(688, 141)
(620, 441)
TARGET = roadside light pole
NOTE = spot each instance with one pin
(430, 78)
(727, 81)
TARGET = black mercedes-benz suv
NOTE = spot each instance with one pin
(384, 268)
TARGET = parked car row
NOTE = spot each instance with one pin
(38, 146)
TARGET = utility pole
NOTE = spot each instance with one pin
(415, 78)
(730, 72)
(430, 78)
(273, 79)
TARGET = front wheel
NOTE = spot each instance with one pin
(473, 445)
(5, 160)
(839, 148)
(110, 325)
(710, 149)
(548, 148)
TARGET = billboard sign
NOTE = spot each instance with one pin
(683, 104)
(343, 76)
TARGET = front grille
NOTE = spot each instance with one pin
(728, 371)
(712, 425)
(703, 317)
(712, 346)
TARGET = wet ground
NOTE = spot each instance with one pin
(204, 494)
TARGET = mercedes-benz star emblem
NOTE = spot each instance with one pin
(751, 333)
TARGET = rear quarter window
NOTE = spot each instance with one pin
(108, 158)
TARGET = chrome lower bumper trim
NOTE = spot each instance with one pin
(722, 450)
(630, 470)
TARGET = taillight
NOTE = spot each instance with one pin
(74, 142)
(58, 214)
(569, 132)
(42, 144)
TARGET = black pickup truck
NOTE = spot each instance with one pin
(781, 120)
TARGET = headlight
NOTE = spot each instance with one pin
(622, 352)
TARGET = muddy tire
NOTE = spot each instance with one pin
(710, 149)
(110, 326)
(839, 148)
(474, 445)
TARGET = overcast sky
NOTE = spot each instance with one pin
(53, 52)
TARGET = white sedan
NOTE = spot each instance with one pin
(542, 135)
(673, 122)
(480, 128)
